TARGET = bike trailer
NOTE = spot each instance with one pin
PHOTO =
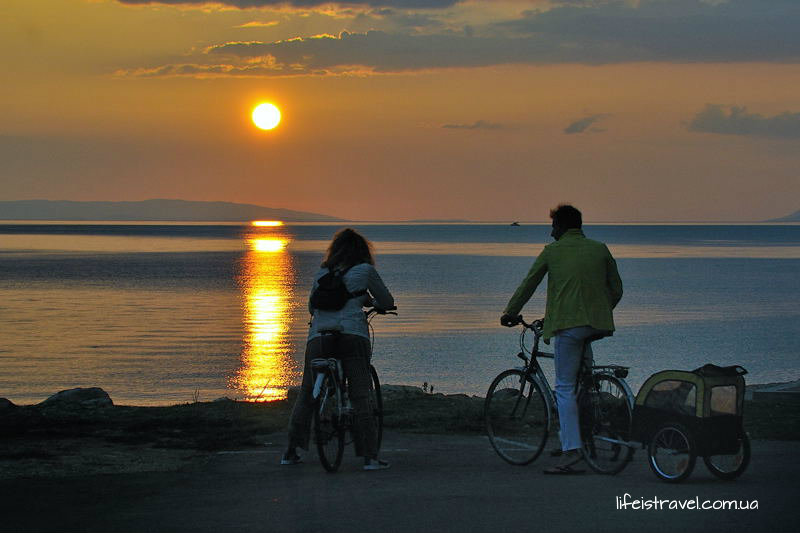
(708, 401)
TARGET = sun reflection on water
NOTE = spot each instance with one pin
(266, 369)
(267, 245)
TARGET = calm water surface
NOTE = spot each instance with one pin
(163, 313)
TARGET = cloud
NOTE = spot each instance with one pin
(387, 52)
(267, 67)
(379, 52)
(611, 31)
(732, 120)
(581, 125)
(258, 24)
(477, 125)
(406, 19)
(248, 4)
(674, 30)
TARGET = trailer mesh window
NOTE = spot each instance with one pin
(673, 395)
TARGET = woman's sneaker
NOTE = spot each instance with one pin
(375, 464)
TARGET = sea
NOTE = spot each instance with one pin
(166, 313)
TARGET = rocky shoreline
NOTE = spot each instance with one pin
(82, 432)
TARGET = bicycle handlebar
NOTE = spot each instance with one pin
(536, 325)
(379, 311)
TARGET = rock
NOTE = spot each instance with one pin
(400, 391)
(6, 404)
(79, 397)
(224, 399)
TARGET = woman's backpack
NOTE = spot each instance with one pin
(331, 293)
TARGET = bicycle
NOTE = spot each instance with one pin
(520, 407)
(334, 415)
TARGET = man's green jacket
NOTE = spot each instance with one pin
(583, 284)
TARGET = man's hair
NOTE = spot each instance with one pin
(567, 217)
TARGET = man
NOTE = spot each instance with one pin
(583, 286)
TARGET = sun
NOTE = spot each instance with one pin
(266, 116)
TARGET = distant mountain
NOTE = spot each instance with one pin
(794, 217)
(167, 210)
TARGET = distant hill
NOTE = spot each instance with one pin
(794, 217)
(167, 210)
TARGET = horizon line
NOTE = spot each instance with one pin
(421, 222)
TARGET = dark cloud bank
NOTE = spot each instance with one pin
(678, 30)
(732, 120)
(675, 30)
(588, 33)
(247, 4)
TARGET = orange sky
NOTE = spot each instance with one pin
(482, 111)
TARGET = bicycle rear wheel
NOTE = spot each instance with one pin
(377, 405)
(329, 428)
(605, 418)
(517, 417)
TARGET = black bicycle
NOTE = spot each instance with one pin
(520, 408)
(334, 415)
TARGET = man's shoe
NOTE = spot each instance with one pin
(564, 470)
(376, 464)
(291, 458)
(567, 465)
(556, 452)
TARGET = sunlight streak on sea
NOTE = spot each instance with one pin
(132, 244)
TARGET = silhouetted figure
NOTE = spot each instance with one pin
(583, 287)
(350, 257)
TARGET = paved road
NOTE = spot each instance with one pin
(436, 483)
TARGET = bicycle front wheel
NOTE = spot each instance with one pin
(605, 418)
(329, 428)
(376, 404)
(517, 417)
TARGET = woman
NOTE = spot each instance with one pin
(350, 256)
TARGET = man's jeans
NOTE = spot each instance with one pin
(569, 346)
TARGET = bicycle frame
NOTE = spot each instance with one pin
(533, 370)
(334, 415)
(328, 369)
(332, 367)
(325, 368)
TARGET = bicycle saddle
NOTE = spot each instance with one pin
(320, 364)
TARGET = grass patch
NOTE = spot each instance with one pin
(434, 413)
(202, 426)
